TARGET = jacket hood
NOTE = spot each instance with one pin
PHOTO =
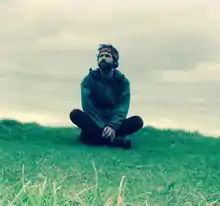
(117, 75)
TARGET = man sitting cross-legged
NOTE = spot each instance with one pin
(105, 98)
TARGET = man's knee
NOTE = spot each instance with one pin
(138, 121)
(74, 114)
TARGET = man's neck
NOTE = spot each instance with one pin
(107, 74)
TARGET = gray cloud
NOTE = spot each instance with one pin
(166, 32)
(151, 36)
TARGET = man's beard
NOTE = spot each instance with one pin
(105, 66)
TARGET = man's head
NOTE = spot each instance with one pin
(107, 57)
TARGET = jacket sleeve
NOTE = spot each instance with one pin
(121, 111)
(88, 105)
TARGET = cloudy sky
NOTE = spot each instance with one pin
(170, 51)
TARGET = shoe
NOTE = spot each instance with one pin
(84, 138)
(122, 141)
(127, 142)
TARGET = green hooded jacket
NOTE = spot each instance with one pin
(106, 101)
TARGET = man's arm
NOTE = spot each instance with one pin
(121, 111)
(88, 106)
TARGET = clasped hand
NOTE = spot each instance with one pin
(108, 132)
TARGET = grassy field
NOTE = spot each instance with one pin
(47, 166)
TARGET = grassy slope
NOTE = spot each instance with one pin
(47, 166)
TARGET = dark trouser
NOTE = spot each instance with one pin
(93, 134)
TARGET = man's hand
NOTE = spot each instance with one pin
(108, 132)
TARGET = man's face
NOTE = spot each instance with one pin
(105, 60)
(105, 56)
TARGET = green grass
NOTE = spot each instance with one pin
(47, 166)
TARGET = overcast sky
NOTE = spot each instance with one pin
(170, 51)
